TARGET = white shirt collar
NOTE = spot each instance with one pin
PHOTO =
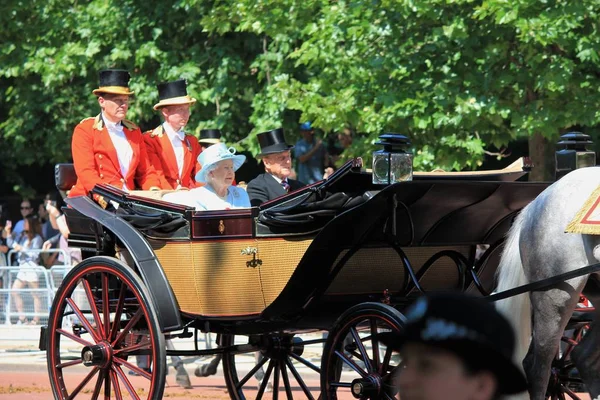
(279, 180)
(171, 132)
(112, 126)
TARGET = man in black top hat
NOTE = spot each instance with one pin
(208, 137)
(173, 152)
(107, 148)
(456, 347)
(276, 156)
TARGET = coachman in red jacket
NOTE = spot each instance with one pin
(171, 151)
(107, 148)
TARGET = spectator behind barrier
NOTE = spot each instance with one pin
(29, 239)
(4, 279)
(26, 209)
(60, 240)
(3, 236)
(47, 230)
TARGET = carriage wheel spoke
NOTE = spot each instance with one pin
(286, 381)
(106, 306)
(129, 350)
(115, 383)
(126, 381)
(98, 386)
(341, 384)
(118, 312)
(93, 306)
(73, 337)
(134, 320)
(569, 392)
(251, 373)
(69, 364)
(299, 379)
(305, 362)
(387, 396)
(141, 372)
(375, 345)
(351, 364)
(265, 380)
(314, 341)
(84, 382)
(107, 386)
(361, 348)
(84, 320)
(387, 358)
(276, 381)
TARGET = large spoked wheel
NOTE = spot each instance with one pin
(103, 335)
(267, 366)
(355, 363)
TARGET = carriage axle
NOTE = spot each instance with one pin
(99, 355)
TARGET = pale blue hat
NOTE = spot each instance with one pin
(214, 154)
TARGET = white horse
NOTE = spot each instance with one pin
(537, 247)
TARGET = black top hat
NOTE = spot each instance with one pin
(113, 81)
(173, 93)
(469, 327)
(272, 142)
(211, 136)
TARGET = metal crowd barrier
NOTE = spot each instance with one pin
(48, 282)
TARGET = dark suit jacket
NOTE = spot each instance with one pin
(264, 188)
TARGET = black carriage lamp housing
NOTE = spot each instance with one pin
(572, 153)
(395, 162)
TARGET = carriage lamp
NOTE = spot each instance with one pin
(572, 153)
(394, 163)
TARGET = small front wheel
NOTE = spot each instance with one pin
(103, 319)
(354, 361)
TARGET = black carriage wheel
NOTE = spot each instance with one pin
(353, 342)
(276, 365)
(564, 379)
(102, 318)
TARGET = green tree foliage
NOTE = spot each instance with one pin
(458, 77)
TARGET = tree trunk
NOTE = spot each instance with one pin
(541, 152)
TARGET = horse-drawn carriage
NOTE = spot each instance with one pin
(341, 256)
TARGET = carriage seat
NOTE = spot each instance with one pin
(64, 178)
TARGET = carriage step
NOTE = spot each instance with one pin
(43, 334)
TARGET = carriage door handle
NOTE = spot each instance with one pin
(255, 262)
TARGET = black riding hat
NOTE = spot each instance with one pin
(469, 327)
(210, 136)
(113, 81)
(272, 142)
(173, 94)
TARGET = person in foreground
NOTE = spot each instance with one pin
(455, 347)
(277, 158)
(219, 164)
